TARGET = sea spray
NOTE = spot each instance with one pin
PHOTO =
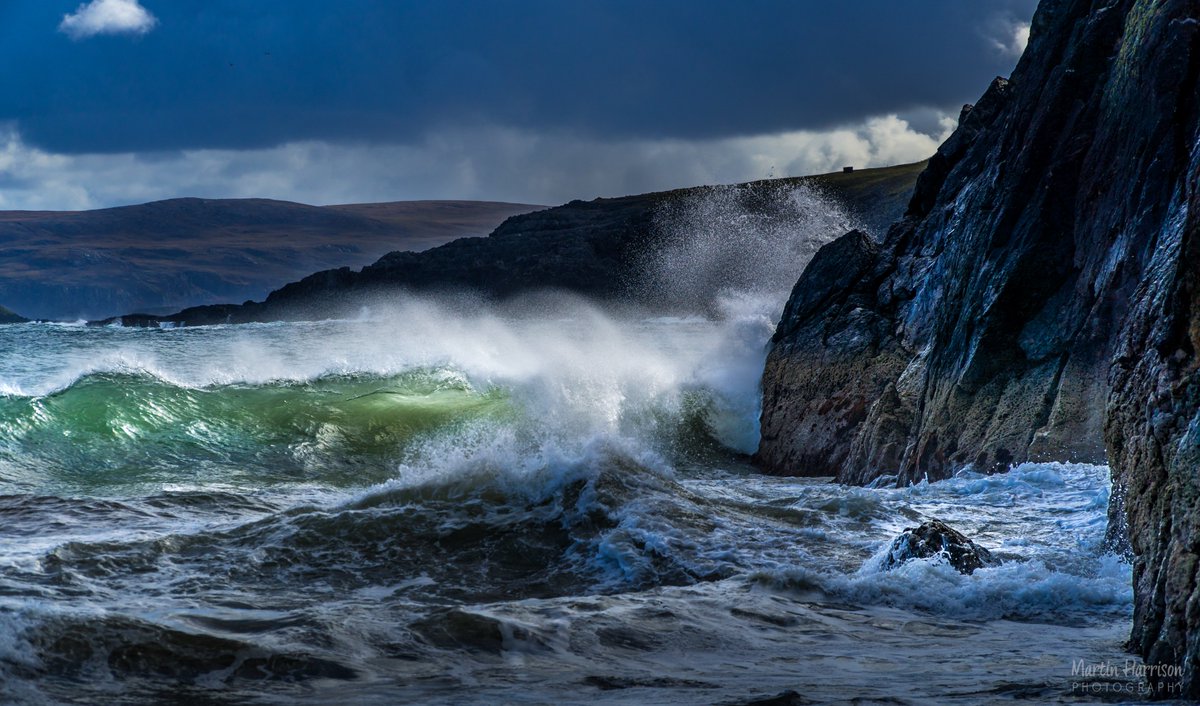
(445, 499)
(735, 251)
(748, 242)
(135, 399)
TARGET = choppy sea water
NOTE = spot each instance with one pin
(519, 506)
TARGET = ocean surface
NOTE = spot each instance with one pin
(433, 505)
(544, 502)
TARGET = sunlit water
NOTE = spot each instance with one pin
(447, 502)
(480, 507)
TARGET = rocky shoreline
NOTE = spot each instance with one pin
(1039, 300)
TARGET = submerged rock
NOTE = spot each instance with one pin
(936, 538)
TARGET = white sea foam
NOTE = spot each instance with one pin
(585, 444)
(574, 367)
(583, 373)
(1045, 520)
(1017, 590)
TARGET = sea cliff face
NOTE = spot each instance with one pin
(1040, 300)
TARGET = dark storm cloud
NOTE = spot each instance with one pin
(236, 74)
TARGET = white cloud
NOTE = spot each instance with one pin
(1011, 38)
(494, 164)
(107, 17)
(1021, 36)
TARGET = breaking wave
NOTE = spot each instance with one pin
(449, 501)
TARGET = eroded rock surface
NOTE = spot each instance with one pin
(980, 333)
(1039, 301)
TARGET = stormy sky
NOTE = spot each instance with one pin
(121, 101)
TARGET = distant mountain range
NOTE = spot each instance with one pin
(167, 255)
(592, 248)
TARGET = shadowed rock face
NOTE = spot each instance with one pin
(1040, 300)
(981, 332)
(1153, 424)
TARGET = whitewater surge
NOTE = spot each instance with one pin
(560, 506)
(548, 501)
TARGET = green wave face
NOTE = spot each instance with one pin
(126, 431)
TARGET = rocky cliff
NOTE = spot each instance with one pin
(593, 248)
(1039, 300)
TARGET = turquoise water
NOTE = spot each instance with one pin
(484, 506)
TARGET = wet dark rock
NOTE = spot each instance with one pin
(1153, 415)
(981, 334)
(1040, 300)
(803, 425)
(832, 269)
(981, 331)
(936, 538)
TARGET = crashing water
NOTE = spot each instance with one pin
(544, 502)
